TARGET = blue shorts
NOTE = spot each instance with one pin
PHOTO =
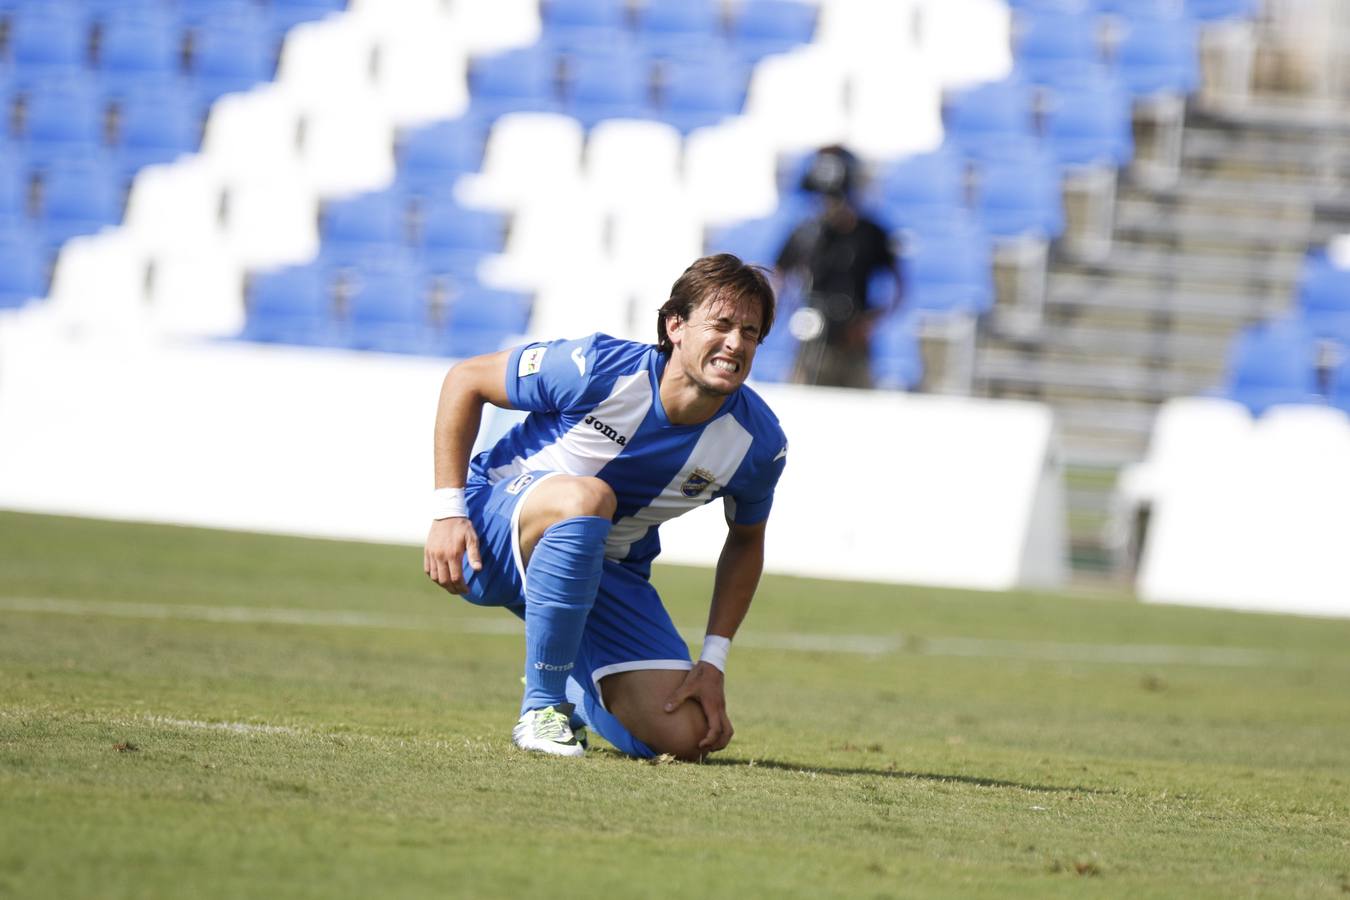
(628, 627)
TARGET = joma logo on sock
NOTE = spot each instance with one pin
(608, 432)
(550, 668)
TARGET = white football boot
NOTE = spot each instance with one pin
(546, 731)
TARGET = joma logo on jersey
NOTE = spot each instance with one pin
(621, 440)
(697, 482)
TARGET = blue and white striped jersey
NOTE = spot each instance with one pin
(595, 409)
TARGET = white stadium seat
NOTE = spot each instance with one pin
(174, 206)
(796, 100)
(729, 173)
(271, 223)
(631, 160)
(528, 156)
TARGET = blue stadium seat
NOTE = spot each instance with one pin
(482, 320)
(1070, 6)
(897, 360)
(156, 124)
(609, 85)
(286, 14)
(1340, 385)
(1215, 10)
(432, 157)
(990, 113)
(1129, 9)
(762, 27)
(1055, 46)
(52, 37)
(1090, 124)
(454, 240)
(667, 27)
(948, 268)
(776, 357)
(14, 180)
(360, 229)
(23, 268)
(919, 188)
(387, 310)
(204, 14)
(1020, 196)
(517, 80)
(698, 91)
(1324, 297)
(79, 196)
(578, 24)
(754, 240)
(63, 117)
(1159, 55)
(102, 11)
(136, 47)
(231, 55)
(291, 306)
(1270, 363)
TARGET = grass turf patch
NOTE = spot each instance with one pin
(974, 744)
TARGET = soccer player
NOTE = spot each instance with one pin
(558, 521)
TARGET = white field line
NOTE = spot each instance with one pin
(979, 648)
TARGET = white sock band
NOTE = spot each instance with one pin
(448, 503)
(715, 648)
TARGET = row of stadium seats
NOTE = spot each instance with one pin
(1302, 357)
(386, 306)
(1202, 10)
(566, 185)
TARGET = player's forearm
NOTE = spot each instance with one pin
(738, 571)
(458, 416)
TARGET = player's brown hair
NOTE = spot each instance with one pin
(721, 276)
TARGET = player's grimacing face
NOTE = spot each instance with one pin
(717, 343)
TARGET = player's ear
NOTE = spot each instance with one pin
(674, 327)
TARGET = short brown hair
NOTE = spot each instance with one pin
(723, 276)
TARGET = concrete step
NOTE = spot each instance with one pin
(1147, 345)
(1281, 116)
(1145, 219)
(1255, 194)
(1086, 377)
(1316, 155)
(1162, 262)
(1147, 299)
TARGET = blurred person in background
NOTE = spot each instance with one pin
(558, 521)
(834, 259)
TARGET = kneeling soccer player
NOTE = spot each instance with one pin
(558, 521)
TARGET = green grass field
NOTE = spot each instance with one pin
(188, 713)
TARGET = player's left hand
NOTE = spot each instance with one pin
(705, 685)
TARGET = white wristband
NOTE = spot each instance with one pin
(715, 649)
(448, 503)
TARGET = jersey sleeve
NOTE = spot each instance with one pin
(552, 376)
(750, 505)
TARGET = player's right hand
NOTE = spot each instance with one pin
(448, 543)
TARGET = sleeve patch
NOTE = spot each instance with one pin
(531, 361)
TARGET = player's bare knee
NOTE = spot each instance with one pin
(679, 732)
(567, 497)
(594, 498)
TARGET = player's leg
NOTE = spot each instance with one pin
(631, 659)
(637, 699)
(561, 528)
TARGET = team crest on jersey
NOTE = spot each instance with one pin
(531, 361)
(696, 483)
(519, 484)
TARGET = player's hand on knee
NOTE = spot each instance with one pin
(449, 542)
(705, 685)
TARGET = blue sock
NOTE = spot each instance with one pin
(560, 584)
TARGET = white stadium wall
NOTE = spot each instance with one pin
(1246, 514)
(891, 487)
